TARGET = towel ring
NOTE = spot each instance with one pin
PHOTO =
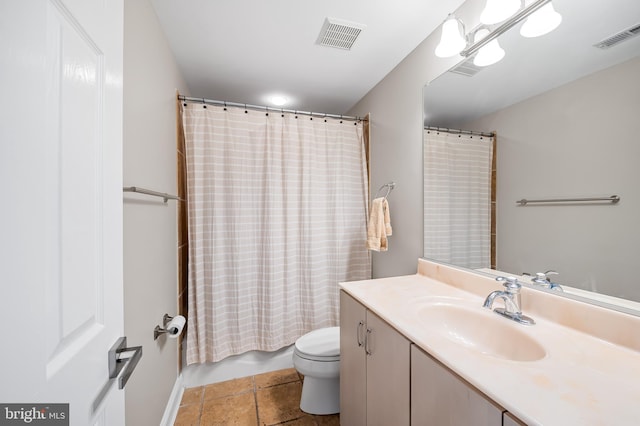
(390, 186)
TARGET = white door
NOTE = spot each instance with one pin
(61, 300)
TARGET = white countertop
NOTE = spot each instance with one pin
(584, 378)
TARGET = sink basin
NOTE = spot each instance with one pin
(483, 331)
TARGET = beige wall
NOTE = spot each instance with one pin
(579, 140)
(396, 145)
(151, 78)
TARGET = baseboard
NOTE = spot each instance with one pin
(171, 410)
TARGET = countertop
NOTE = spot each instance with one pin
(590, 374)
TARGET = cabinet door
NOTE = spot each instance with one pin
(353, 378)
(388, 374)
(439, 397)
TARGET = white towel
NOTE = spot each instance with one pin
(379, 225)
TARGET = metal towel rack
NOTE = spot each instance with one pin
(139, 190)
(390, 186)
(612, 199)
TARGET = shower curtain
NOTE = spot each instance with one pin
(277, 207)
(457, 198)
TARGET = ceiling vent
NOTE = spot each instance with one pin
(619, 38)
(466, 68)
(339, 33)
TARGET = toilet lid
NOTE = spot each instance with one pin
(324, 342)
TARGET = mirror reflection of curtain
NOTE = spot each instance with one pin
(457, 198)
(277, 218)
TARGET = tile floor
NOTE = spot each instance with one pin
(262, 400)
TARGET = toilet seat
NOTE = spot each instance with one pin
(319, 345)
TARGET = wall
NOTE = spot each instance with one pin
(578, 140)
(151, 78)
(395, 105)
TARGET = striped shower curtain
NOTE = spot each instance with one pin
(277, 207)
(457, 198)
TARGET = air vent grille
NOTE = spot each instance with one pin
(339, 33)
(466, 68)
(619, 37)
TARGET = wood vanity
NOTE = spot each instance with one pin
(403, 365)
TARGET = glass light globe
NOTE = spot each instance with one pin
(452, 41)
(541, 22)
(498, 10)
(490, 53)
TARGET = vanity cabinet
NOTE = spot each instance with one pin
(374, 368)
(439, 397)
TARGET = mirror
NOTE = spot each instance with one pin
(567, 119)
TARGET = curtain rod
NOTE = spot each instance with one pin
(463, 132)
(268, 108)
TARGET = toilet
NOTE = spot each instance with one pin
(316, 356)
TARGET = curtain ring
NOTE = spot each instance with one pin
(245, 109)
(225, 105)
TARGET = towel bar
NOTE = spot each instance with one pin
(613, 199)
(139, 190)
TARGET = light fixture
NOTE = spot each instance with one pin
(498, 10)
(541, 22)
(490, 53)
(278, 100)
(452, 40)
(484, 35)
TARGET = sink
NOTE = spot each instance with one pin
(481, 330)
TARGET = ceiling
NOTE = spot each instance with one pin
(245, 51)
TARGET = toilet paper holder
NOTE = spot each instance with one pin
(162, 330)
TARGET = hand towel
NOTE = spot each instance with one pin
(379, 226)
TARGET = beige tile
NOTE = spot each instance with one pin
(192, 396)
(331, 420)
(239, 410)
(188, 415)
(302, 421)
(228, 388)
(276, 378)
(280, 403)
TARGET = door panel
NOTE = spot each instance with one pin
(353, 362)
(388, 374)
(74, 185)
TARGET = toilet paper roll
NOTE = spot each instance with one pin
(175, 326)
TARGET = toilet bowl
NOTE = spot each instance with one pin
(316, 356)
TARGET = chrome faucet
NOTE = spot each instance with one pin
(542, 280)
(511, 297)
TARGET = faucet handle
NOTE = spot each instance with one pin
(510, 283)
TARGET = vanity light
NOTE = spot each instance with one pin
(490, 53)
(542, 18)
(498, 10)
(543, 21)
(452, 41)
